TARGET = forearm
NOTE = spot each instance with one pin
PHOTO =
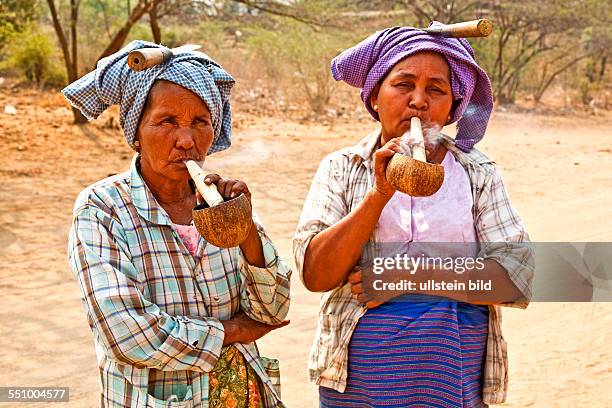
(333, 252)
(252, 248)
(232, 332)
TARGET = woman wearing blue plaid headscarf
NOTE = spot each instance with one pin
(175, 319)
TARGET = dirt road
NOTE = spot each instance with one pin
(558, 172)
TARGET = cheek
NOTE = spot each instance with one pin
(204, 138)
(391, 101)
(442, 108)
(154, 141)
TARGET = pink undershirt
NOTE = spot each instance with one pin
(190, 236)
(445, 216)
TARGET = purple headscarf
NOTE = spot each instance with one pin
(364, 65)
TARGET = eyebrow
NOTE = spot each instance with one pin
(165, 113)
(433, 78)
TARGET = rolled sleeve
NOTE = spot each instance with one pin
(132, 329)
(325, 205)
(265, 294)
(503, 238)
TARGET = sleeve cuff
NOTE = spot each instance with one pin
(209, 340)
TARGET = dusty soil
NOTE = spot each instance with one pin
(558, 171)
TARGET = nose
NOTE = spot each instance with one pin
(185, 138)
(418, 100)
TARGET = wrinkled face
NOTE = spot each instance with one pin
(175, 126)
(418, 85)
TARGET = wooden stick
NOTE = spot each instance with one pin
(144, 58)
(209, 191)
(416, 133)
(466, 29)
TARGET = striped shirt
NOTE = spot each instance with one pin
(155, 309)
(340, 184)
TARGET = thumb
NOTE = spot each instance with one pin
(282, 324)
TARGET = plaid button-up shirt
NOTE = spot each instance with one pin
(340, 184)
(154, 309)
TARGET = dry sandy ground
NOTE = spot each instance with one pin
(558, 171)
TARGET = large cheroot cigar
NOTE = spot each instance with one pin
(209, 191)
(416, 133)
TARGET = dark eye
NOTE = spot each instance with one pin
(405, 85)
(167, 121)
(201, 122)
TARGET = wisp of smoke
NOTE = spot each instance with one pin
(431, 136)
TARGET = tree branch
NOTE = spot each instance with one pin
(137, 12)
(61, 36)
(276, 9)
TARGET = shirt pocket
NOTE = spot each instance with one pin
(171, 402)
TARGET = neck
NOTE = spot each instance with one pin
(176, 197)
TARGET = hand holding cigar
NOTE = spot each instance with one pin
(223, 223)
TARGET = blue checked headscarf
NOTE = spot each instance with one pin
(113, 82)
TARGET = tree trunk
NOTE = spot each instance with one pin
(74, 16)
(79, 118)
(61, 38)
(153, 21)
(141, 8)
(70, 61)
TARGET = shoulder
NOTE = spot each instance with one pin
(104, 194)
(477, 164)
(344, 160)
(337, 161)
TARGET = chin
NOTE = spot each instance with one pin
(176, 172)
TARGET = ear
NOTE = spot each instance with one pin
(374, 97)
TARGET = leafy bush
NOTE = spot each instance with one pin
(32, 54)
(299, 56)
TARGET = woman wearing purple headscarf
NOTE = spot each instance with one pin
(429, 348)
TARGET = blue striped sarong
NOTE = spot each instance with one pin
(425, 353)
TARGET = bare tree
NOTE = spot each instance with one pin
(69, 46)
(154, 22)
(68, 43)
(139, 10)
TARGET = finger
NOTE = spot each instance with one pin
(354, 277)
(357, 289)
(384, 153)
(269, 327)
(238, 188)
(228, 184)
(212, 178)
(283, 324)
(372, 304)
(391, 142)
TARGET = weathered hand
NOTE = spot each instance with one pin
(355, 280)
(243, 329)
(381, 160)
(228, 188)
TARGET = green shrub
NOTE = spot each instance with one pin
(300, 56)
(32, 54)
